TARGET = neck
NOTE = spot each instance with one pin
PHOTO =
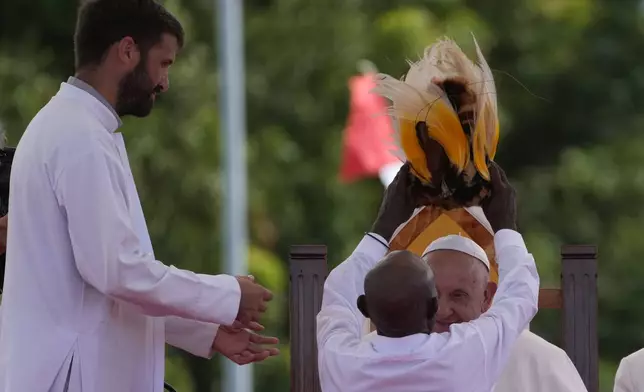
(401, 333)
(101, 83)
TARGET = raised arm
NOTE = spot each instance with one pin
(492, 335)
(486, 343)
(92, 191)
(340, 323)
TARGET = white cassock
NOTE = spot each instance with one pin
(629, 377)
(469, 358)
(537, 365)
(85, 302)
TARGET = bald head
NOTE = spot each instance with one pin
(400, 295)
(462, 282)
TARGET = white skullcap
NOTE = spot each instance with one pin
(460, 244)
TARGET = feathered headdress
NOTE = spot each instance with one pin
(447, 125)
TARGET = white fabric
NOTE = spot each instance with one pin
(629, 377)
(81, 279)
(459, 244)
(536, 365)
(469, 358)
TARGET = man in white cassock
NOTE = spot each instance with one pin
(398, 294)
(629, 377)
(86, 306)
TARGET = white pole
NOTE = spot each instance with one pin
(233, 127)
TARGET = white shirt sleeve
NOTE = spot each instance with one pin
(623, 377)
(339, 323)
(92, 194)
(564, 376)
(195, 337)
(489, 339)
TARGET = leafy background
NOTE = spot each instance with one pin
(568, 77)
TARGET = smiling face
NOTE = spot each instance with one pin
(138, 89)
(463, 289)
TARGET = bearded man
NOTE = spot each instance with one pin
(86, 305)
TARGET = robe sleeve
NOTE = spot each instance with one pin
(564, 376)
(92, 195)
(339, 322)
(195, 337)
(623, 377)
(489, 339)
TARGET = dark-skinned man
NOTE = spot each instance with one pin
(399, 295)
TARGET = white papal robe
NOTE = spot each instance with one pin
(468, 358)
(85, 302)
(537, 365)
(630, 377)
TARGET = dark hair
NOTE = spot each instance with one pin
(101, 23)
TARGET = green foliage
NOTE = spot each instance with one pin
(569, 79)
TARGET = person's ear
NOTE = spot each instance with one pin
(128, 52)
(490, 290)
(362, 305)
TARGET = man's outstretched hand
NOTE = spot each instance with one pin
(244, 346)
(254, 300)
(400, 200)
(501, 208)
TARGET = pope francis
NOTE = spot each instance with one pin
(86, 305)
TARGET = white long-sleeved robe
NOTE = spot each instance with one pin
(536, 365)
(629, 377)
(85, 299)
(469, 358)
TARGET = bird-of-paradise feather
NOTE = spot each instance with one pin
(418, 97)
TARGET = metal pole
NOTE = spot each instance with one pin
(233, 127)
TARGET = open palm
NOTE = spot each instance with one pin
(244, 346)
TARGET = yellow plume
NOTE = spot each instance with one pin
(419, 97)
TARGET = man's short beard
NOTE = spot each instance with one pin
(135, 92)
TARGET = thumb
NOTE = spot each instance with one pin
(249, 278)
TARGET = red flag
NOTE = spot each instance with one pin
(368, 136)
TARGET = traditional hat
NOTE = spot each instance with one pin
(428, 224)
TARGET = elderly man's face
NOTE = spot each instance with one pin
(463, 289)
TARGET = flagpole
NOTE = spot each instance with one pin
(233, 127)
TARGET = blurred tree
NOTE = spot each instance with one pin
(569, 81)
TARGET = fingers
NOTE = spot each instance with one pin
(497, 176)
(268, 295)
(249, 357)
(401, 177)
(260, 339)
(255, 326)
(252, 326)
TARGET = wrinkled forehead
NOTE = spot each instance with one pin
(454, 267)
